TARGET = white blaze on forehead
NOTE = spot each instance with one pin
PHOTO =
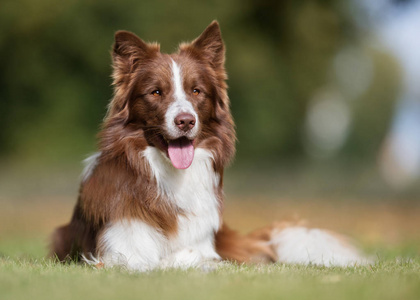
(179, 105)
(177, 82)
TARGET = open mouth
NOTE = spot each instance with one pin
(180, 151)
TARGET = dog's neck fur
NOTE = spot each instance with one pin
(193, 191)
(185, 188)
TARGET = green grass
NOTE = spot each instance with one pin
(25, 274)
(389, 232)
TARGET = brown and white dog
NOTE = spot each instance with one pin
(152, 197)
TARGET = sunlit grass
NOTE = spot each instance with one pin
(30, 278)
(386, 232)
(25, 273)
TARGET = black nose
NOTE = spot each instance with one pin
(185, 121)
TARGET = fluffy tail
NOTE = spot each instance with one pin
(286, 243)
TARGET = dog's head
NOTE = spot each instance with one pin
(177, 102)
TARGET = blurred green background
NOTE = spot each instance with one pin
(313, 92)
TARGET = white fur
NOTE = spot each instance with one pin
(133, 244)
(90, 164)
(193, 191)
(139, 246)
(179, 105)
(314, 246)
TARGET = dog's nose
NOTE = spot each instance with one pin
(185, 121)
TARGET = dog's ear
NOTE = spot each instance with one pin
(209, 46)
(128, 53)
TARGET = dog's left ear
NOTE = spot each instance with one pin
(209, 46)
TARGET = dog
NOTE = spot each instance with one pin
(152, 196)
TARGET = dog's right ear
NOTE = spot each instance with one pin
(128, 52)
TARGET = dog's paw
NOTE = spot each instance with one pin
(211, 265)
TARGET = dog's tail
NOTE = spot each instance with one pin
(288, 243)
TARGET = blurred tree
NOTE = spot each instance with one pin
(56, 66)
(293, 43)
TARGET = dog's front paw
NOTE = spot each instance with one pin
(189, 258)
(208, 266)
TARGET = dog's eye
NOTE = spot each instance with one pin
(156, 93)
(196, 92)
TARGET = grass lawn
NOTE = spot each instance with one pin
(391, 234)
(30, 278)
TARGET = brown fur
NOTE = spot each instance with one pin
(251, 248)
(121, 185)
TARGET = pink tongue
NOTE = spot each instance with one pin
(181, 153)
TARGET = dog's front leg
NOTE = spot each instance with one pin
(131, 244)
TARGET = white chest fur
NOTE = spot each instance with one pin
(142, 247)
